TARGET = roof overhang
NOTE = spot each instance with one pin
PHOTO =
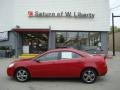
(21, 30)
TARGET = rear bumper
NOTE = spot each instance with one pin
(103, 70)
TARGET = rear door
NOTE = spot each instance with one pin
(71, 64)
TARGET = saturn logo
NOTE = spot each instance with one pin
(30, 13)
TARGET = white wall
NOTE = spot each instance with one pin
(21, 7)
(6, 15)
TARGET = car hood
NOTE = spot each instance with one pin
(22, 60)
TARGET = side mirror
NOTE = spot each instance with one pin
(37, 60)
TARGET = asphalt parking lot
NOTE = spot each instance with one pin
(109, 82)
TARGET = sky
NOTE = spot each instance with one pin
(115, 8)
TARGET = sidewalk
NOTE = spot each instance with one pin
(117, 53)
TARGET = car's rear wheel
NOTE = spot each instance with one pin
(22, 75)
(89, 76)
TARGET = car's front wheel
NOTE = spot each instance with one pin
(22, 75)
(89, 76)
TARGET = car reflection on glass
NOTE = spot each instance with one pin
(94, 50)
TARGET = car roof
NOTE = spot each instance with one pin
(64, 49)
(84, 54)
(69, 49)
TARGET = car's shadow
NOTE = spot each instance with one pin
(57, 79)
(49, 80)
(99, 79)
(75, 80)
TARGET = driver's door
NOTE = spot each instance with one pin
(46, 65)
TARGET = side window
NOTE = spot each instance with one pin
(49, 56)
(75, 55)
(66, 55)
(69, 55)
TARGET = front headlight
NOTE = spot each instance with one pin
(11, 65)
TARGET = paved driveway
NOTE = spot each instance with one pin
(110, 82)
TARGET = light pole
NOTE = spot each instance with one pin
(113, 33)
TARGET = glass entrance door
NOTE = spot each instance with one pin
(35, 42)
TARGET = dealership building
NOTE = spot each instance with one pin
(35, 26)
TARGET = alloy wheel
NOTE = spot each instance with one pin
(22, 75)
(89, 76)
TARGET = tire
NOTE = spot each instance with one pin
(22, 75)
(89, 76)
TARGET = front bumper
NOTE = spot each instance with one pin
(10, 71)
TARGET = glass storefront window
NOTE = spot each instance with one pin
(78, 40)
(37, 42)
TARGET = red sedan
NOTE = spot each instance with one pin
(59, 63)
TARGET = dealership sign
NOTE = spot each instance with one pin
(61, 14)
